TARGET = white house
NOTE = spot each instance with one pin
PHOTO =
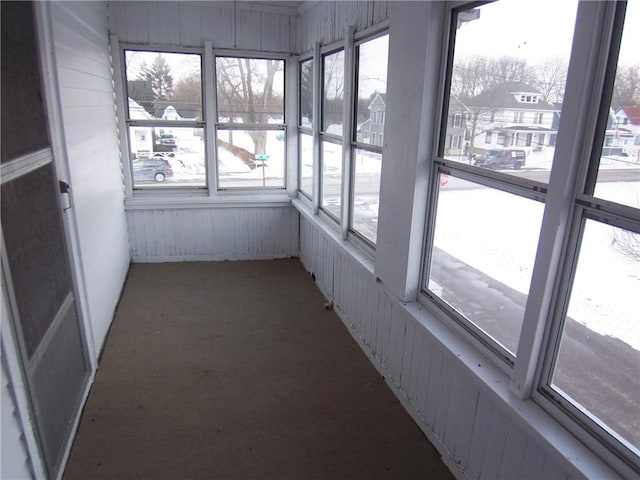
(511, 114)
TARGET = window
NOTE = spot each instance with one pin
(305, 127)
(250, 130)
(593, 369)
(457, 120)
(366, 153)
(511, 257)
(332, 132)
(488, 136)
(165, 119)
(518, 117)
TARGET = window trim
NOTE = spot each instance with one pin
(234, 126)
(120, 73)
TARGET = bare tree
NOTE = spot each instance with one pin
(626, 90)
(246, 93)
(475, 75)
(550, 78)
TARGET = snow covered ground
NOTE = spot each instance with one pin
(497, 233)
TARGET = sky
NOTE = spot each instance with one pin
(544, 29)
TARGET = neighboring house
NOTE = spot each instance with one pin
(626, 132)
(377, 109)
(140, 137)
(371, 131)
(511, 114)
(457, 141)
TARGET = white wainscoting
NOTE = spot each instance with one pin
(455, 397)
(227, 25)
(325, 21)
(216, 233)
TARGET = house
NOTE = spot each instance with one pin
(626, 131)
(457, 141)
(511, 114)
(505, 374)
(372, 129)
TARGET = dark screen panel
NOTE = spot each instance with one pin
(34, 241)
(24, 121)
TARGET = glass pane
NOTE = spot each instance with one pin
(167, 156)
(331, 177)
(485, 244)
(250, 90)
(251, 158)
(333, 93)
(366, 193)
(306, 94)
(165, 86)
(306, 164)
(598, 363)
(372, 91)
(620, 160)
(507, 85)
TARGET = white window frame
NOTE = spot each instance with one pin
(231, 126)
(305, 130)
(125, 122)
(580, 137)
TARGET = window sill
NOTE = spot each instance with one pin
(365, 261)
(157, 200)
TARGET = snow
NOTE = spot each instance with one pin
(497, 233)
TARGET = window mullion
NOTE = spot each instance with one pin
(210, 115)
(347, 127)
(584, 83)
(316, 125)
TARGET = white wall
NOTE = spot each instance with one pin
(189, 24)
(213, 233)
(82, 56)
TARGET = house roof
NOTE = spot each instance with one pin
(632, 113)
(503, 97)
(136, 111)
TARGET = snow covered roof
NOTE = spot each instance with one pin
(137, 111)
(504, 97)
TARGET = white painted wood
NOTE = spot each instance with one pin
(415, 48)
(228, 25)
(171, 235)
(460, 402)
(88, 131)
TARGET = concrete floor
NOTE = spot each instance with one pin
(234, 370)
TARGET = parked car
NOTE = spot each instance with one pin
(167, 139)
(502, 158)
(155, 168)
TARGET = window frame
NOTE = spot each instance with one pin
(120, 71)
(360, 39)
(305, 130)
(235, 126)
(568, 201)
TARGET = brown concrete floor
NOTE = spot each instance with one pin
(234, 370)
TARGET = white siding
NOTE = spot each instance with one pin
(325, 22)
(14, 463)
(82, 57)
(231, 233)
(188, 24)
(472, 427)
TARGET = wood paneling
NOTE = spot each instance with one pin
(234, 233)
(475, 433)
(15, 460)
(83, 63)
(227, 25)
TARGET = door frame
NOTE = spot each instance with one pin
(15, 369)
